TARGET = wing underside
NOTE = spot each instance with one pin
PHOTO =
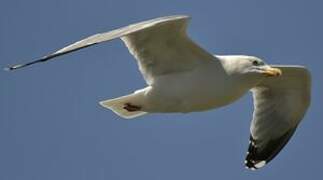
(102, 37)
(160, 45)
(279, 106)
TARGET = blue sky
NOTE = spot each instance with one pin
(51, 126)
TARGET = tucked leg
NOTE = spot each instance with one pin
(131, 108)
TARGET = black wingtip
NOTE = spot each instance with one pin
(11, 68)
(259, 157)
(252, 161)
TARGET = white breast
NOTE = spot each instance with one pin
(197, 90)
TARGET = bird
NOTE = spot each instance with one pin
(183, 77)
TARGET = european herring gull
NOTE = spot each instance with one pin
(183, 77)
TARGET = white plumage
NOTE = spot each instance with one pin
(182, 77)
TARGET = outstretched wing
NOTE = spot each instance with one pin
(160, 45)
(279, 105)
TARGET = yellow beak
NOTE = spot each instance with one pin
(272, 72)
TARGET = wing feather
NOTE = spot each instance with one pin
(160, 45)
(279, 106)
(101, 37)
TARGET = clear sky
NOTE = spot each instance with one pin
(51, 126)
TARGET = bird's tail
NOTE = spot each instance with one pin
(118, 105)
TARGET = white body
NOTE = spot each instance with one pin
(197, 90)
(183, 77)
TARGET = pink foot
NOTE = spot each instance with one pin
(131, 108)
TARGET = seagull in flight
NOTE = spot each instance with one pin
(183, 77)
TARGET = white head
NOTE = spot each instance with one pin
(249, 67)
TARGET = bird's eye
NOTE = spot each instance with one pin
(256, 63)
